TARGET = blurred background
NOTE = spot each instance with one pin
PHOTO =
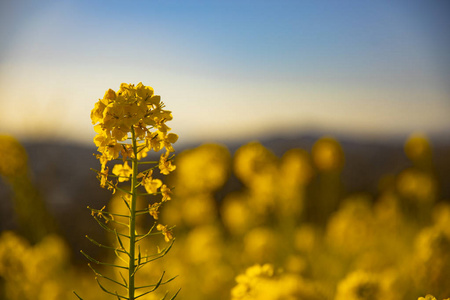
(314, 136)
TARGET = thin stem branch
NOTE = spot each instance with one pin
(148, 162)
(101, 263)
(104, 246)
(106, 277)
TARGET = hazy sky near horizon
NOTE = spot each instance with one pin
(228, 69)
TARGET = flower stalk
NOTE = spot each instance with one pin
(131, 266)
(130, 123)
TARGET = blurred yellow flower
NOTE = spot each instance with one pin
(296, 167)
(260, 245)
(351, 229)
(360, 285)
(417, 185)
(252, 161)
(432, 261)
(205, 169)
(417, 147)
(13, 157)
(236, 213)
(199, 209)
(427, 297)
(39, 271)
(306, 238)
(328, 155)
(204, 245)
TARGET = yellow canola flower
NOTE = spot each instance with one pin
(119, 133)
(153, 210)
(166, 192)
(168, 140)
(158, 140)
(101, 139)
(123, 171)
(111, 151)
(165, 165)
(150, 184)
(145, 92)
(165, 231)
(140, 130)
(97, 112)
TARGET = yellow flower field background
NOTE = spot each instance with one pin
(251, 225)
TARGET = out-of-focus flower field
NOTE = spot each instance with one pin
(286, 230)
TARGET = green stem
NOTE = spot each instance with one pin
(132, 250)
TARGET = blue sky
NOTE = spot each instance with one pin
(229, 69)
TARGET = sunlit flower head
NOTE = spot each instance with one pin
(133, 112)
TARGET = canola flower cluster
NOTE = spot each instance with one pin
(133, 113)
(130, 123)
